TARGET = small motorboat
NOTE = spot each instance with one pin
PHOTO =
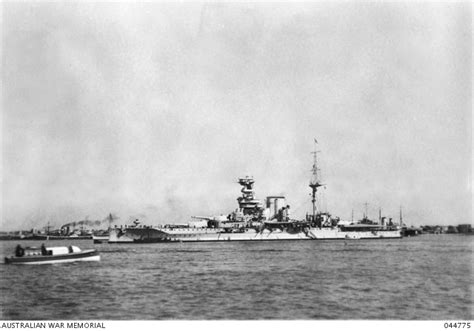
(48, 255)
(100, 239)
(352, 237)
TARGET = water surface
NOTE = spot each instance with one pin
(426, 277)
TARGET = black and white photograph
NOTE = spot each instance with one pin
(236, 161)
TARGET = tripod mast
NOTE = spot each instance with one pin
(315, 179)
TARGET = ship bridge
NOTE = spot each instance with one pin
(247, 202)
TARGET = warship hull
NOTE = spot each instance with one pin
(156, 235)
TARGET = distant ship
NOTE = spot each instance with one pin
(58, 234)
(254, 221)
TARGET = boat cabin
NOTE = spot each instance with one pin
(33, 251)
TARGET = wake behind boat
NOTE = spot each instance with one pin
(49, 255)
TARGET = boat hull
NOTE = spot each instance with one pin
(154, 235)
(87, 255)
(334, 233)
(100, 239)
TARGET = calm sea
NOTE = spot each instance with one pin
(426, 277)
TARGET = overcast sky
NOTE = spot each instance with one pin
(154, 110)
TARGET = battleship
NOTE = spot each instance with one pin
(255, 220)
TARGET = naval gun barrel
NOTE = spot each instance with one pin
(204, 218)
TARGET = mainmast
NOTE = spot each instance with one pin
(401, 217)
(366, 214)
(315, 179)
